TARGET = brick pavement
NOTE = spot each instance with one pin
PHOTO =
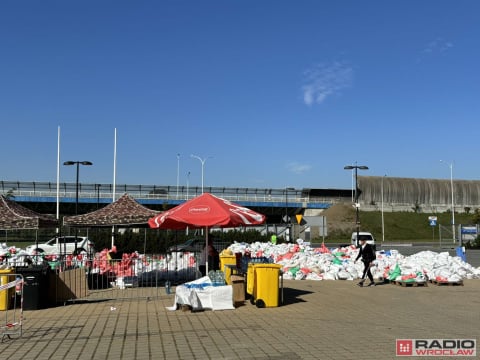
(319, 320)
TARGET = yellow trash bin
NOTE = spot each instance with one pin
(267, 283)
(227, 260)
(6, 294)
(251, 279)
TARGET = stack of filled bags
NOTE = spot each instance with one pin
(300, 261)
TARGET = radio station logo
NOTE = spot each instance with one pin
(436, 347)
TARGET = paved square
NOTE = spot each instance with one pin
(319, 320)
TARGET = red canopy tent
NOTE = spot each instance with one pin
(206, 211)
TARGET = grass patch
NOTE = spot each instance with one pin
(402, 226)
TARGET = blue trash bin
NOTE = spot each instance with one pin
(461, 253)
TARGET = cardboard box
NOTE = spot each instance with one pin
(238, 286)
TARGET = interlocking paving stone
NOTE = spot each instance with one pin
(319, 320)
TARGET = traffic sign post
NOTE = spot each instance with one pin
(432, 220)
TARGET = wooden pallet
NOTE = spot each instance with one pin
(447, 283)
(409, 283)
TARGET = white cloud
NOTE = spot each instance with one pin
(439, 45)
(298, 168)
(324, 80)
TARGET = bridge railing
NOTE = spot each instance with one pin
(104, 192)
(180, 197)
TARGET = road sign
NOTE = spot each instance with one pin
(432, 220)
(470, 230)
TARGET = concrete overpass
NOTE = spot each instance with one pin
(288, 200)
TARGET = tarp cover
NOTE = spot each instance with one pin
(15, 216)
(125, 211)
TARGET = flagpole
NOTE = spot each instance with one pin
(58, 178)
(114, 162)
(114, 178)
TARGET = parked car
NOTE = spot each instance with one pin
(62, 245)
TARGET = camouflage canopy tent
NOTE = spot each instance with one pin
(15, 216)
(125, 211)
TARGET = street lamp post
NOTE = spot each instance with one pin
(287, 219)
(286, 206)
(178, 172)
(383, 222)
(78, 163)
(357, 219)
(188, 183)
(453, 202)
(202, 161)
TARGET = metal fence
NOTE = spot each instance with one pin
(11, 305)
(60, 280)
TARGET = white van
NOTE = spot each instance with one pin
(363, 235)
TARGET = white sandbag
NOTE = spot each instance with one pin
(454, 278)
(344, 275)
(300, 275)
(314, 276)
(329, 276)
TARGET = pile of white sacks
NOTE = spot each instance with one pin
(302, 262)
(12, 256)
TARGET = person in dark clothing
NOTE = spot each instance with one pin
(211, 255)
(367, 253)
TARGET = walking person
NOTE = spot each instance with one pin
(367, 253)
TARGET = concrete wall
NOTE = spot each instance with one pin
(431, 195)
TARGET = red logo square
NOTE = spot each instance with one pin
(404, 347)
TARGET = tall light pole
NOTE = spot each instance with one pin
(453, 202)
(353, 183)
(78, 163)
(287, 219)
(357, 217)
(383, 222)
(178, 172)
(202, 161)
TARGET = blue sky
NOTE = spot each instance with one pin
(273, 93)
